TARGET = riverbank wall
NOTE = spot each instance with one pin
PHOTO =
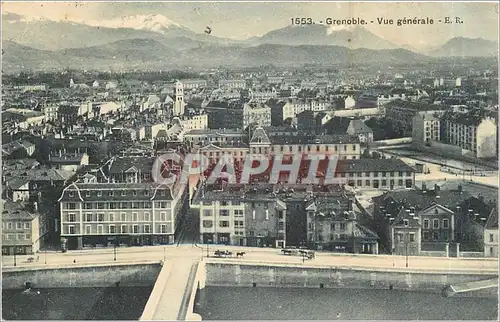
(92, 275)
(282, 275)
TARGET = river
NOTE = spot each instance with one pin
(115, 303)
(244, 303)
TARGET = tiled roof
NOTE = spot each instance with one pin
(315, 139)
(16, 211)
(360, 127)
(122, 164)
(367, 165)
(41, 174)
(260, 136)
(392, 200)
(492, 222)
(116, 192)
(337, 125)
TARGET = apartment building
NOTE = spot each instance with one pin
(401, 113)
(333, 225)
(474, 131)
(241, 215)
(23, 228)
(491, 235)
(103, 214)
(232, 83)
(432, 222)
(293, 142)
(256, 113)
(425, 128)
(376, 173)
(214, 151)
(206, 136)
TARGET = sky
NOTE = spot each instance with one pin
(241, 20)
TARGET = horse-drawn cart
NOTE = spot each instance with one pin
(309, 254)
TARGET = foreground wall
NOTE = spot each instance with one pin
(82, 276)
(229, 274)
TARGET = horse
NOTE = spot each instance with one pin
(240, 254)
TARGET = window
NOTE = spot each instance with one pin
(342, 226)
(72, 230)
(400, 182)
(100, 205)
(224, 224)
(405, 222)
(332, 226)
(87, 193)
(367, 183)
(384, 183)
(224, 212)
(359, 183)
(134, 193)
(19, 225)
(99, 193)
(446, 223)
(436, 211)
(111, 217)
(223, 203)
(123, 193)
(27, 236)
(147, 229)
(435, 223)
(123, 216)
(71, 218)
(111, 193)
(26, 225)
(412, 237)
(9, 225)
(207, 224)
(375, 174)
(71, 194)
(426, 223)
(135, 216)
(146, 216)
(400, 237)
(88, 229)
(238, 213)
(112, 229)
(135, 229)
(71, 205)
(492, 238)
(435, 235)
(208, 213)
(124, 229)
(99, 229)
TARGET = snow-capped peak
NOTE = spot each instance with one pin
(154, 22)
(334, 28)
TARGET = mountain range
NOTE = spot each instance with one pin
(154, 40)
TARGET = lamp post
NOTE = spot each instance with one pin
(114, 249)
(15, 250)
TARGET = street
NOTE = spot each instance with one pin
(253, 255)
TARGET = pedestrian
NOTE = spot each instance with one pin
(74, 261)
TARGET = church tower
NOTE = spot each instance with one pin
(179, 99)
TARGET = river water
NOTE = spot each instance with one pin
(244, 303)
(115, 303)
